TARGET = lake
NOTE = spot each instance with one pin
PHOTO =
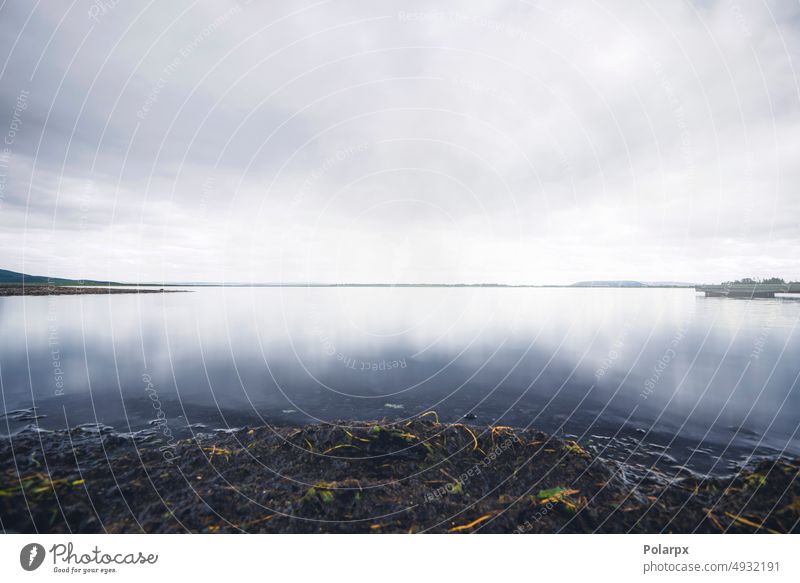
(663, 376)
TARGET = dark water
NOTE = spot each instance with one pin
(664, 376)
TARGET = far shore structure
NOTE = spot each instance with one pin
(749, 290)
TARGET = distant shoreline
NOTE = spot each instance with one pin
(8, 277)
(42, 289)
(423, 285)
(8, 290)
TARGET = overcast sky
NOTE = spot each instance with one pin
(520, 142)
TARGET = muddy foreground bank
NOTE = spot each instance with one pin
(419, 476)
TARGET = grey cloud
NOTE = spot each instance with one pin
(523, 142)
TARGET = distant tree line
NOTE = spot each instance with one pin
(756, 280)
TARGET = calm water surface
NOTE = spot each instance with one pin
(664, 376)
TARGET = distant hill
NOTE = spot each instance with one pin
(610, 283)
(669, 284)
(631, 283)
(16, 278)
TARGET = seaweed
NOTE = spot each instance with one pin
(419, 475)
